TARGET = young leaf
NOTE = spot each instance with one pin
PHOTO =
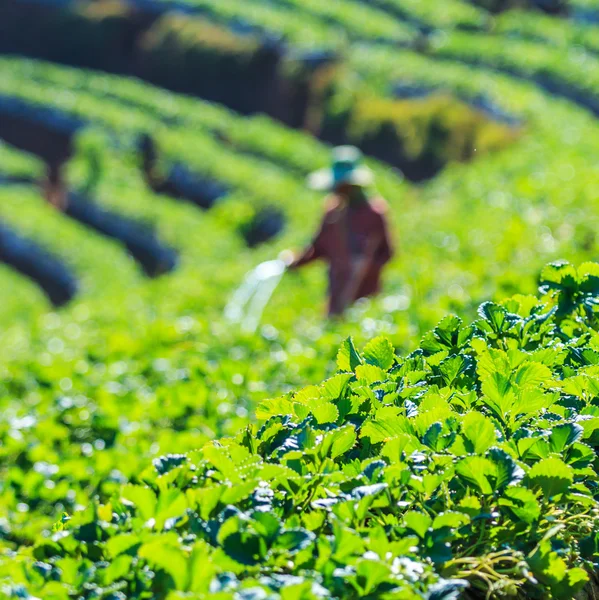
(380, 353)
(325, 412)
(347, 357)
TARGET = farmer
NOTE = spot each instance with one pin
(353, 237)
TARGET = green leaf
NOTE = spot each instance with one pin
(479, 431)
(454, 366)
(266, 524)
(294, 540)
(121, 543)
(522, 504)
(478, 472)
(143, 498)
(171, 503)
(552, 475)
(380, 353)
(563, 436)
(507, 471)
(451, 519)
(386, 428)
(337, 442)
(163, 552)
(497, 317)
(200, 568)
(325, 412)
(418, 522)
(435, 440)
(347, 357)
(370, 374)
(274, 407)
(334, 387)
(118, 568)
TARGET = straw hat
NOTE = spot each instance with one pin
(346, 168)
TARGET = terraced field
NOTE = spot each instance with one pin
(141, 452)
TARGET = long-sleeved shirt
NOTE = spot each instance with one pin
(354, 240)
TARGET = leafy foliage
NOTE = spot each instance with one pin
(467, 465)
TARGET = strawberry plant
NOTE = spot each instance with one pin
(466, 467)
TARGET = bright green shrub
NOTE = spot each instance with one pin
(469, 463)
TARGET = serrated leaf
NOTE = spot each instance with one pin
(337, 442)
(380, 353)
(370, 374)
(325, 412)
(418, 522)
(479, 432)
(507, 471)
(552, 475)
(564, 435)
(478, 472)
(454, 366)
(334, 387)
(380, 430)
(434, 438)
(497, 317)
(522, 503)
(274, 407)
(348, 357)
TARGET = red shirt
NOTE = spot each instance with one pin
(354, 241)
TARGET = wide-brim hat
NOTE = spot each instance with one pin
(346, 168)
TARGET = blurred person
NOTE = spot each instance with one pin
(353, 237)
(54, 187)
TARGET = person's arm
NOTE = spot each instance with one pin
(313, 252)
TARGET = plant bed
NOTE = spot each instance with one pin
(179, 181)
(264, 225)
(43, 132)
(141, 242)
(29, 259)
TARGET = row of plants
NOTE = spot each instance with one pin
(538, 27)
(299, 22)
(411, 237)
(573, 74)
(16, 164)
